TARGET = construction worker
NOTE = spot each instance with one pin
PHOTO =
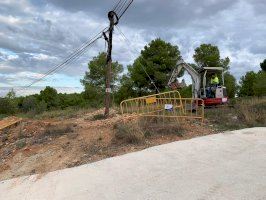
(214, 80)
(214, 83)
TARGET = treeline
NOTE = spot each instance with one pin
(148, 74)
(48, 99)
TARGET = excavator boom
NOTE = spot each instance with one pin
(196, 77)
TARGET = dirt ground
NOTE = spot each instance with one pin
(41, 146)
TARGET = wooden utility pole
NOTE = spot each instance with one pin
(112, 18)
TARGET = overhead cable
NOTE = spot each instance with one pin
(130, 44)
(69, 59)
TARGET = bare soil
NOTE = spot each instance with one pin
(41, 146)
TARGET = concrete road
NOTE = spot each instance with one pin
(230, 165)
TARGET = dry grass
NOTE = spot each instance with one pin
(130, 132)
(61, 114)
(137, 131)
(253, 111)
(167, 126)
(58, 130)
(243, 113)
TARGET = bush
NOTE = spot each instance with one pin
(41, 107)
(58, 130)
(21, 143)
(7, 106)
(98, 117)
(29, 104)
(259, 86)
(151, 126)
(130, 133)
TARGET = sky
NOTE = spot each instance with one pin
(37, 35)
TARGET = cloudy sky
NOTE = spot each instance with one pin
(35, 35)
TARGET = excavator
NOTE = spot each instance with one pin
(211, 95)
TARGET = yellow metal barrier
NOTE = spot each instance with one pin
(168, 105)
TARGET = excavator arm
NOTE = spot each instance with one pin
(196, 77)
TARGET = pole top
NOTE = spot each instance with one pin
(112, 16)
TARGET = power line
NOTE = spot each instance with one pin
(130, 44)
(125, 9)
(121, 7)
(69, 59)
(115, 7)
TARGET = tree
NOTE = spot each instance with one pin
(263, 65)
(158, 59)
(29, 103)
(95, 76)
(126, 89)
(93, 95)
(230, 84)
(259, 85)
(247, 84)
(207, 55)
(94, 79)
(6, 106)
(11, 94)
(186, 92)
(50, 97)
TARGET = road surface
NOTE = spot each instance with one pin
(229, 165)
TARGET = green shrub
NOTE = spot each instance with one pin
(29, 104)
(7, 106)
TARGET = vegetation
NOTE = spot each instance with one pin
(58, 130)
(253, 84)
(138, 131)
(158, 59)
(230, 84)
(263, 65)
(241, 113)
(207, 55)
(94, 79)
(130, 133)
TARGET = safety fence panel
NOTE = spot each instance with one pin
(168, 105)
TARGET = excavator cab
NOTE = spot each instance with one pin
(213, 94)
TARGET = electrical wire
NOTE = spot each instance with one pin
(121, 7)
(130, 44)
(116, 6)
(125, 9)
(70, 59)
